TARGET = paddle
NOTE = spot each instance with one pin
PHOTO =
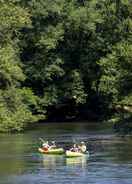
(42, 140)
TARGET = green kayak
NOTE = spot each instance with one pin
(74, 154)
(55, 151)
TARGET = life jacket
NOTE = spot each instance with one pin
(45, 148)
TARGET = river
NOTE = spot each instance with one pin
(110, 160)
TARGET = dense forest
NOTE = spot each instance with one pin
(65, 59)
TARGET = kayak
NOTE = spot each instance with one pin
(74, 154)
(56, 151)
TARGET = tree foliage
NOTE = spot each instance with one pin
(64, 55)
(14, 112)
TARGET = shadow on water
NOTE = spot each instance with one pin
(110, 158)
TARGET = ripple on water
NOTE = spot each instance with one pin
(110, 160)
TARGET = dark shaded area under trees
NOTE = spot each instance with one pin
(65, 60)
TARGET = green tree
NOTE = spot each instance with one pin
(66, 57)
(57, 49)
(14, 113)
(116, 79)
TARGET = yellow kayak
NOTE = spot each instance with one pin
(56, 151)
(74, 154)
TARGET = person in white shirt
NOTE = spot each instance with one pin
(83, 147)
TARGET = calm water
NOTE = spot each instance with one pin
(110, 160)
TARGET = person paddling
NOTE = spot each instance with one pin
(45, 146)
(74, 148)
(53, 146)
(83, 147)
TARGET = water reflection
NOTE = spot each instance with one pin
(51, 162)
(110, 160)
(78, 161)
